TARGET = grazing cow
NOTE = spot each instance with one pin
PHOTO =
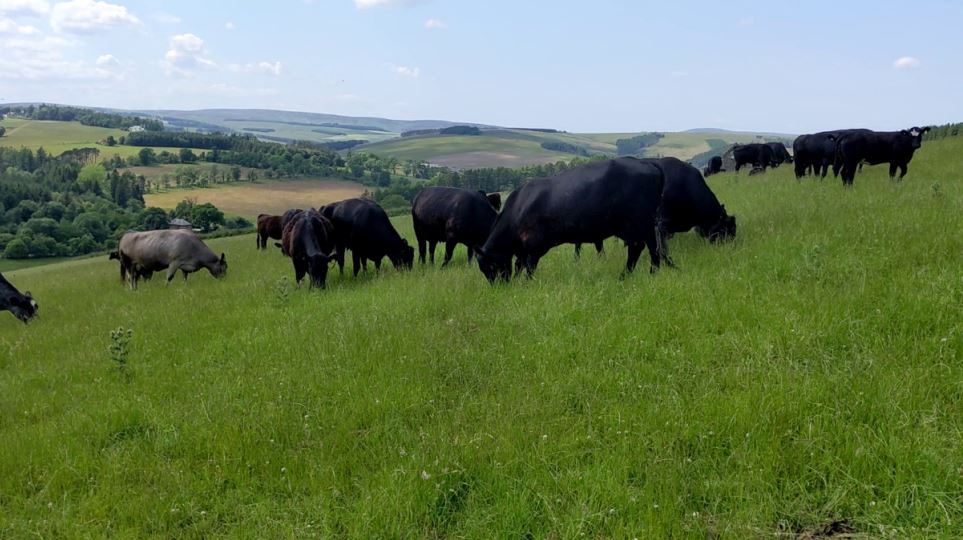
(309, 241)
(23, 306)
(363, 227)
(617, 197)
(268, 226)
(453, 216)
(875, 147)
(599, 249)
(756, 154)
(171, 249)
(779, 153)
(142, 273)
(714, 166)
(687, 202)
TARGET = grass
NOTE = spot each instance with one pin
(251, 199)
(58, 137)
(809, 372)
(9, 265)
(316, 133)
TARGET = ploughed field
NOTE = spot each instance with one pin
(804, 378)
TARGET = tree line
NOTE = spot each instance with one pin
(87, 117)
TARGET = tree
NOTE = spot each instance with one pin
(186, 155)
(110, 141)
(152, 219)
(236, 173)
(16, 249)
(147, 157)
(206, 216)
(3, 130)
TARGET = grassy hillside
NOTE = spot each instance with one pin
(806, 374)
(58, 137)
(249, 200)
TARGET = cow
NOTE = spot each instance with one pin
(268, 226)
(363, 227)
(875, 147)
(288, 216)
(713, 167)
(124, 270)
(599, 249)
(756, 154)
(687, 203)
(779, 153)
(22, 306)
(453, 216)
(616, 197)
(309, 240)
(171, 249)
(816, 152)
(495, 199)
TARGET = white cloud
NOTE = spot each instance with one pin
(166, 18)
(405, 71)
(24, 7)
(83, 16)
(107, 60)
(365, 4)
(43, 58)
(185, 54)
(9, 26)
(273, 68)
(906, 62)
(435, 24)
(229, 25)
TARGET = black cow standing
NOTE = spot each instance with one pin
(756, 154)
(309, 240)
(363, 227)
(616, 197)
(814, 153)
(875, 147)
(713, 167)
(23, 306)
(687, 203)
(453, 216)
(779, 153)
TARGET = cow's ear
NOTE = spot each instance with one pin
(924, 130)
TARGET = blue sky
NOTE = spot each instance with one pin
(607, 65)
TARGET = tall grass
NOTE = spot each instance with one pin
(807, 373)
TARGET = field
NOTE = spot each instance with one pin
(803, 379)
(58, 137)
(249, 200)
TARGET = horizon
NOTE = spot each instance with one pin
(568, 68)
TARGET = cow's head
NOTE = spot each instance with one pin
(318, 268)
(495, 199)
(916, 135)
(723, 229)
(23, 306)
(495, 266)
(405, 257)
(219, 269)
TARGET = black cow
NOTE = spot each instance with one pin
(779, 153)
(756, 154)
(23, 306)
(141, 273)
(616, 197)
(363, 227)
(453, 216)
(687, 203)
(875, 147)
(814, 153)
(309, 240)
(599, 249)
(713, 167)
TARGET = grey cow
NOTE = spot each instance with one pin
(153, 251)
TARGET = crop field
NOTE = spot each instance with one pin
(802, 379)
(58, 137)
(251, 199)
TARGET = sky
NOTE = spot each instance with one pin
(600, 66)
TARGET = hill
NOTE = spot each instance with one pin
(57, 137)
(800, 379)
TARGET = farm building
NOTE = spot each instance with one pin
(180, 224)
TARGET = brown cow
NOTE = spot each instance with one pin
(268, 226)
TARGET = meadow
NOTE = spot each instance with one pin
(58, 137)
(803, 379)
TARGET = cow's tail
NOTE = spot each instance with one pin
(661, 232)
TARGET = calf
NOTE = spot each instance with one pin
(142, 273)
(875, 147)
(363, 227)
(616, 197)
(22, 306)
(309, 240)
(171, 249)
(453, 216)
(268, 226)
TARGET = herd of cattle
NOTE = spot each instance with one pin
(845, 149)
(640, 201)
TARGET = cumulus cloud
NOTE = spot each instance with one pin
(435, 24)
(229, 25)
(107, 60)
(24, 7)
(405, 71)
(43, 58)
(186, 54)
(365, 4)
(84, 16)
(906, 62)
(10, 27)
(273, 68)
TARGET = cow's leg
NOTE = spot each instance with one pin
(892, 171)
(356, 262)
(519, 264)
(422, 246)
(299, 271)
(185, 274)
(902, 171)
(377, 263)
(432, 244)
(600, 248)
(449, 251)
(531, 264)
(471, 253)
(634, 251)
(578, 251)
(171, 272)
(339, 256)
